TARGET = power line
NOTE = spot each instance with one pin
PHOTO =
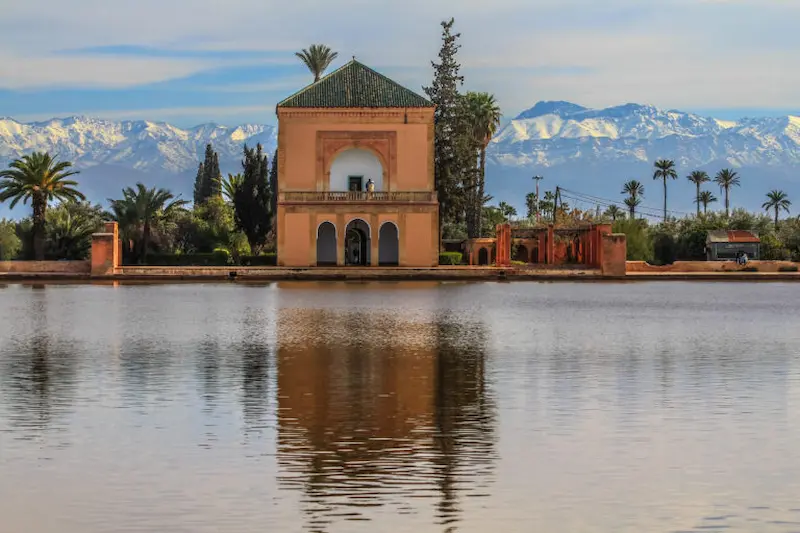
(610, 203)
(643, 207)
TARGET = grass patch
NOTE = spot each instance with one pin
(788, 268)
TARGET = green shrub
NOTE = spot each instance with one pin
(638, 241)
(450, 258)
(788, 268)
(259, 260)
(10, 244)
(664, 249)
(222, 256)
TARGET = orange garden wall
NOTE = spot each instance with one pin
(50, 267)
(705, 266)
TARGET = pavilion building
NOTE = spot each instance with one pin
(355, 174)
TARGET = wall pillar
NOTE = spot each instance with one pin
(340, 236)
(105, 257)
(374, 243)
(551, 246)
(540, 249)
(614, 254)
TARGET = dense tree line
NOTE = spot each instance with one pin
(232, 216)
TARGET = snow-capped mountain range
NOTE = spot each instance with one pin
(552, 133)
(140, 145)
(590, 150)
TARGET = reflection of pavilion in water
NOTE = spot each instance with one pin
(373, 409)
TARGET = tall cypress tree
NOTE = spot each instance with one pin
(211, 173)
(251, 202)
(198, 185)
(448, 156)
(214, 177)
(273, 187)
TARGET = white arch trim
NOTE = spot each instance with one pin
(335, 229)
(362, 220)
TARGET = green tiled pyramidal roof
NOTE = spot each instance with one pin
(355, 85)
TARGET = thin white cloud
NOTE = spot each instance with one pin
(672, 53)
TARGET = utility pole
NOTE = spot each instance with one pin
(556, 199)
(537, 179)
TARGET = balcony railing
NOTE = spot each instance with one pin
(357, 197)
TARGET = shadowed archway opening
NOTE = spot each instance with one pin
(357, 243)
(521, 254)
(388, 245)
(326, 244)
(483, 256)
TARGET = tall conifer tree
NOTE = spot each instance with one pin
(214, 177)
(198, 185)
(208, 183)
(444, 92)
(252, 200)
(273, 188)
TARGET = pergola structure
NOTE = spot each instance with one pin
(545, 245)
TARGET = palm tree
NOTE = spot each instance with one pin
(635, 192)
(140, 208)
(230, 185)
(40, 178)
(507, 210)
(698, 177)
(632, 202)
(484, 117)
(665, 169)
(70, 232)
(727, 178)
(705, 198)
(777, 200)
(530, 204)
(614, 212)
(318, 57)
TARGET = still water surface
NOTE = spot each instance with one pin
(408, 407)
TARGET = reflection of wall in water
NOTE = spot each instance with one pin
(353, 377)
(383, 401)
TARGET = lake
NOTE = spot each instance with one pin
(400, 407)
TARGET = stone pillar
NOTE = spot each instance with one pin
(340, 236)
(551, 245)
(614, 254)
(374, 241)
(602, 230)
(503, 244)
(541, 248)
(105, 257)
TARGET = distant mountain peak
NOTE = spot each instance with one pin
(554, 107)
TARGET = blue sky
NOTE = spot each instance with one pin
(189, 62)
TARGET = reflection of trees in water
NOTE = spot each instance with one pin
(37, 371)
(465, 412)
(254, 351)
(375, 409)
(38, 376)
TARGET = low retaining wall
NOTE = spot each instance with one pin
(311, 273)
(705, 266)
(45, 267)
